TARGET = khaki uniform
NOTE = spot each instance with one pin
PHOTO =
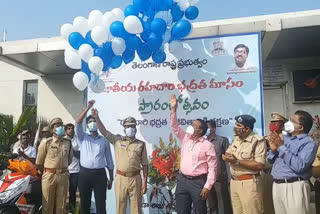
(55, 155)
(130, 157)
(246, 195)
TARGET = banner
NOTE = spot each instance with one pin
(214, 78)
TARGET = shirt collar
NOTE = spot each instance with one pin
(248, 138)
(300, 136)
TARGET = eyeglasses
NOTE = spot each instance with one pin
(295, 122)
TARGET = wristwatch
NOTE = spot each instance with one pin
(237, 163)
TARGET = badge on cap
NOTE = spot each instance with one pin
(240, 120)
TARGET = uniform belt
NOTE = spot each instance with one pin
(203, 176)
(55, 171)
(128, 174)
(289, 180)
(245, 177)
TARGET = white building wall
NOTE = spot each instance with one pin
(57, 96)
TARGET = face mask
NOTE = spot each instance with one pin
(60, 131)
(289, 127)
(208, 132)
(92, 127)
(130, 132)
(274, 127)
(190, 130)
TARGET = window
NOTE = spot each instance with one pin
(30, 94)
(306, 85)
(30, 99)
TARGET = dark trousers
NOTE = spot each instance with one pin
(317, 190)
(96, 180)
(73, 185)
(219, 201)
(188, 194)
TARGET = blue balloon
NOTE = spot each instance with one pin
(131, 10)
(128, 56)
(176, 13)
(180, 29)
(158, 5)
(142, 5)
(133, 42)
(169, 4)
(154, 41)
(85, 69)
(146, 31)
(107, 54)
(116, 62)
(117, 29)
(98, 51)
(159, 56)
(89, 40)
(106, 68)
(144, 52)
(76, 40)
(158, 26)
(192, 13)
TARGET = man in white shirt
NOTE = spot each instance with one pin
(25, 151)
(74, 167)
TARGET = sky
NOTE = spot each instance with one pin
(41, 18)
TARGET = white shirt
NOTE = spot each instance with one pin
(29, 151)
(74, 167)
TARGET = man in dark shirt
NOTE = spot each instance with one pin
(219, 198)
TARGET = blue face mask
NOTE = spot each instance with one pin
(92, 126)
(60, 131)
(130, 132)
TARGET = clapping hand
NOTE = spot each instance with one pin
(94, 113)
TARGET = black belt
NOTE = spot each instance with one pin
(203, 176)
(289, 180)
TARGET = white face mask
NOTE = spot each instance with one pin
(289, 127)
(190, 130)
(208, 132)
(130, 132)
(92, 127)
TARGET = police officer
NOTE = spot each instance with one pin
(246, 156)
(131, 156)
(54, 156)
(276, 125)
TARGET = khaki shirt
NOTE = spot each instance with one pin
(129, 155)
(54, 153)
(316, 161)
(251, 148)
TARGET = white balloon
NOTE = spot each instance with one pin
(118, 46)
(95, 18)
(108, 18)
(95, 64)
(80, 24)
(72, 60)
(118, 14)
(85, 52)
(99, 35)
(69, 50)
(97, 87)
(80, 80)
(132, 24)
(193, 2)
(184, 5)
(66, 30)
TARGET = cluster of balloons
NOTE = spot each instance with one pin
(105, 41)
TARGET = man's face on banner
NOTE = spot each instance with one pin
(240, 55)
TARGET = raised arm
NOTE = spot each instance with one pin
(173, 119)
(78, 126)
(108, 135)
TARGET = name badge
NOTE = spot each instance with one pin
(123, 145)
